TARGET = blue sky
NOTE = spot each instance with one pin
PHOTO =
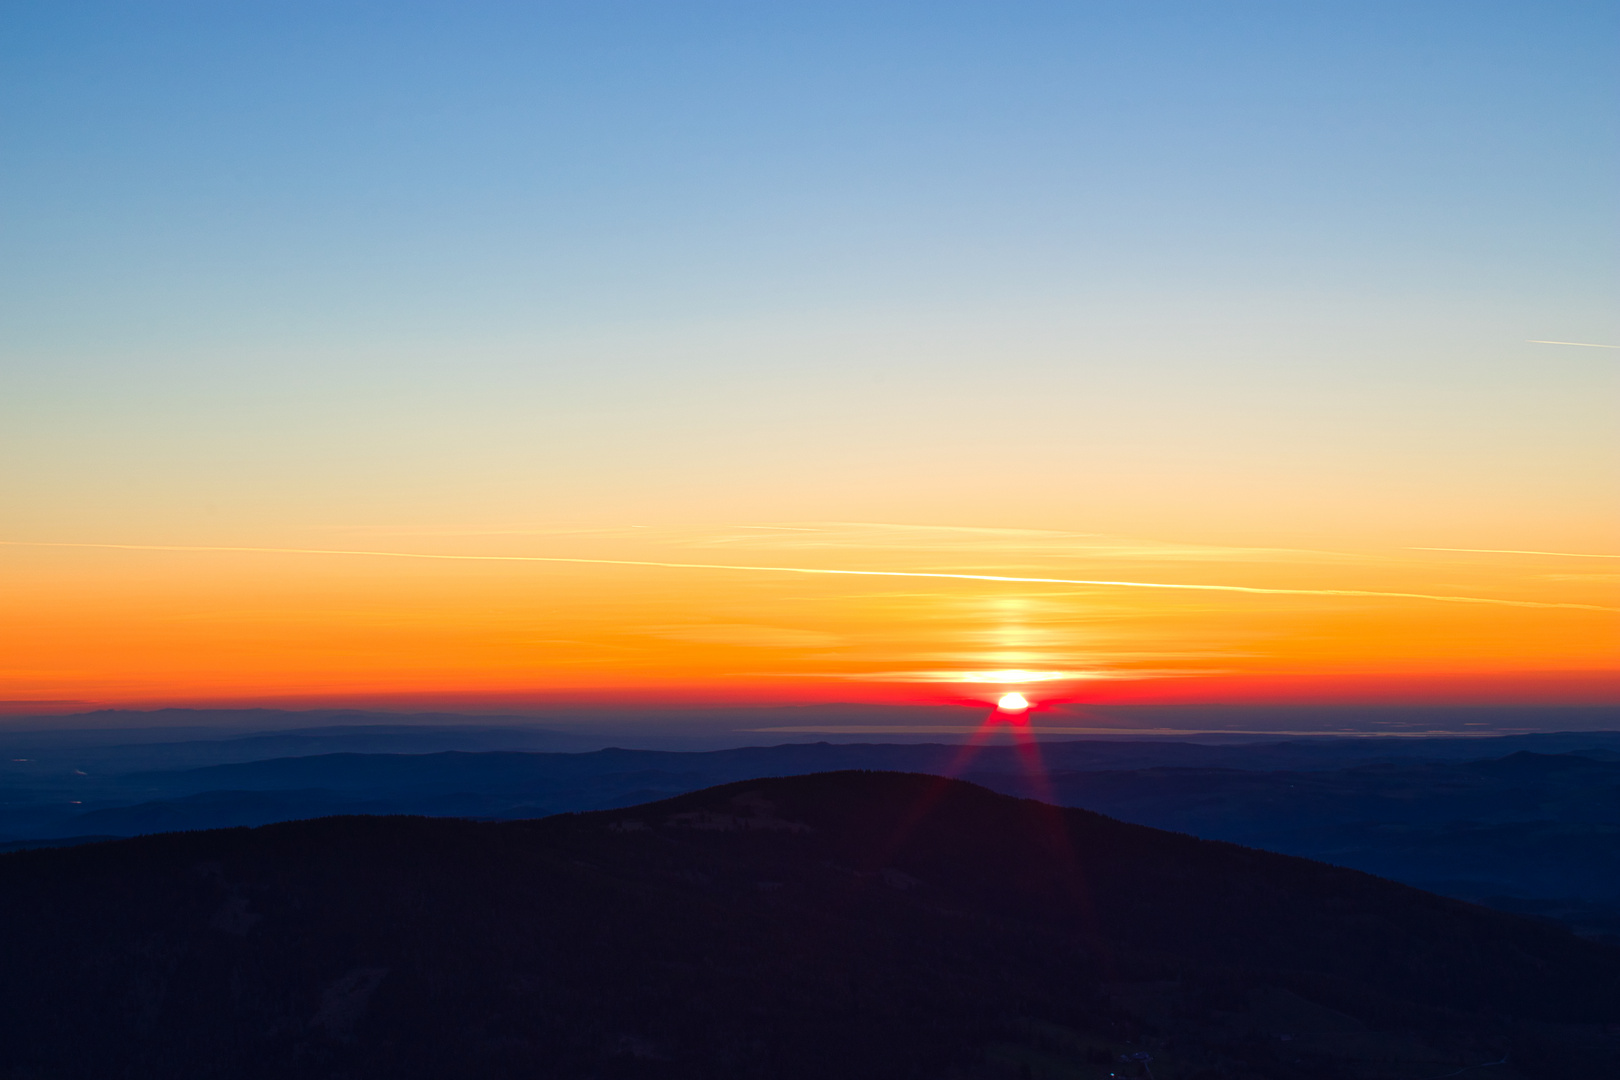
(322, 261)
(321, 169)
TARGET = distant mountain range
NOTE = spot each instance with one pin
(851, 924)
(1526, 823)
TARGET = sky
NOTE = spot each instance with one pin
(1230, 321)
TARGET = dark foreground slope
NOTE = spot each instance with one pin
(841, 924)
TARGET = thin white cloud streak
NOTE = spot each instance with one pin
(934, 539)
(1513, 551)
(958, 540)
(1582, 344)
(1247, 589)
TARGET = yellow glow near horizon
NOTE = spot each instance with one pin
(923, 614)
(1018, 676)
(1012, 703)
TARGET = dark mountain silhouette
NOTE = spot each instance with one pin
(110, 742)
(113, 752)
(1525, 831)
(850, 924)
(1528, 826)
(665, 726)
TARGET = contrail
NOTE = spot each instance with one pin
(1582, 344)
(840, 573)
(1512, 551)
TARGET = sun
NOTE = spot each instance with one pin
(1012, 703)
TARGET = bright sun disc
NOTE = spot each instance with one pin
(1012, 703)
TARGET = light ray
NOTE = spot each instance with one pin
(1029, 758)
(1582, 344)
(1249, 589)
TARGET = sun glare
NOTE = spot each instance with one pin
(1012, 703)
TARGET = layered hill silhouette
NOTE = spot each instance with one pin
(856, 924)
(1516, 829)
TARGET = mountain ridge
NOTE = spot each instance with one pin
(862, 923)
